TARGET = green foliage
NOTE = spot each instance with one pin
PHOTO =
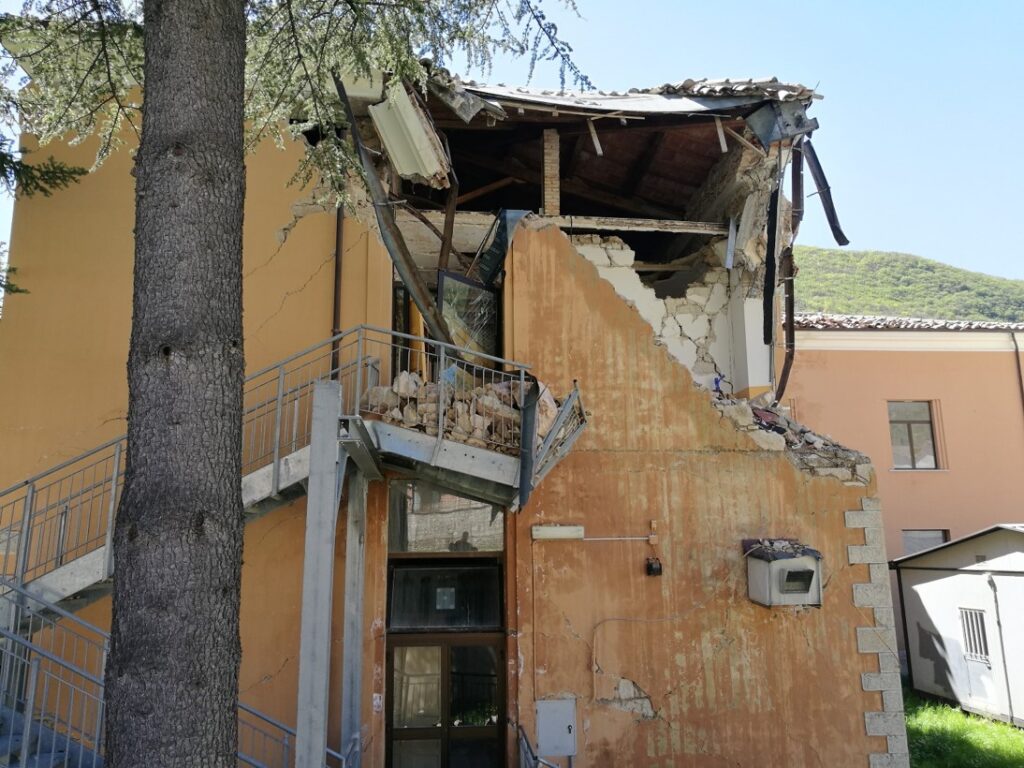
(900, 285)
(942, 736)
(6, 286)
(85, 61)
(40, 178)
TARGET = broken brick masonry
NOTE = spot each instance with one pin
(697, 330)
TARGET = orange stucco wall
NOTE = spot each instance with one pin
(64, 346)
(722, 674)
(719, 673)
(980, 430)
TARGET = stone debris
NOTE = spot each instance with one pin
(815, 454)
(484, 416)
(694, 328)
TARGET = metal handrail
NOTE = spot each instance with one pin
(68, 511)
(45, 654)
(24, 599)
(62, 465)
(527, 757)
(262, 371)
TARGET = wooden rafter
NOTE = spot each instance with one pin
(643, 163)
(575, 187)
(619, 224)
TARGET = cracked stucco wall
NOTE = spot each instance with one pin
(698, 330)
(695, 328)
(683, 669)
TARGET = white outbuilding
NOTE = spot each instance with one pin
(963, 620)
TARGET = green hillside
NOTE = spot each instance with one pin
(900, 285)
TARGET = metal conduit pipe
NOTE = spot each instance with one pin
(1020, 374)
(1002, 645)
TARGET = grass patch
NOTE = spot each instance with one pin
(942, 736)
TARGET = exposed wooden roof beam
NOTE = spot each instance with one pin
(574, 187)
(643, 163)
(571, 161)
(614, 223)
(487, 189)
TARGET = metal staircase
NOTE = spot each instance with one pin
(56, 527)
(51, 694)
(454, 416)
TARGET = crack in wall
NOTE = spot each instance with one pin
(695, 328)
(630, 697)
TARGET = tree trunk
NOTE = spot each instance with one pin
(172, 675)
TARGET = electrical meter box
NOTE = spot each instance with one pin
(556, 727)
(782, 572)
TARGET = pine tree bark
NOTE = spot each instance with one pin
(172, 675)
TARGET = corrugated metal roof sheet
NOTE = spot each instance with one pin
(820, 321)
(672, 98)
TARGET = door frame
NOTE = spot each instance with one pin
(447, 732)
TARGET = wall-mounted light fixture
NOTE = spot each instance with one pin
(556, 532)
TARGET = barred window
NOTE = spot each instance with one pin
(972, 623)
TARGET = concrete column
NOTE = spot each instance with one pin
(326, 464)
(751, 357)
(355, 570)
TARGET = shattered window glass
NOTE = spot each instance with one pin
(912, 435)
(471, 313)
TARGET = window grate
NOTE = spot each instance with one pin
(972, 624)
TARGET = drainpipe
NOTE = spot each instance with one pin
(1002, 646)
(339, 236)
(1020, 374)
(903, 620)
(790, 329)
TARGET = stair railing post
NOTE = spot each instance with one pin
(522, 401)
(30, 705)
(62, 535)
(360, 350)
(275, 467)
(441, 364)
(111, 511)
(21, 567)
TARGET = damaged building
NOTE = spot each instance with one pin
(517, 490)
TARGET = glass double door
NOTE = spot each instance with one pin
(447, 700)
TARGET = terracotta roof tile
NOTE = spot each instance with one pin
(820, 321)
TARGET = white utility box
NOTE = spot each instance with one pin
(782, 572)
(556, 728)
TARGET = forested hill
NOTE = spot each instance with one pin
(901, 285)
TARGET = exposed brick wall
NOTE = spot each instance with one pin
(552, 174)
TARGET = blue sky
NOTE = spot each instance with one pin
(918, 125)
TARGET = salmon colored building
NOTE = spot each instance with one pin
(937, 405)
(565, 533)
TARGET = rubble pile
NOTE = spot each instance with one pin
(484, 416)
(812, 453)
(693, 327)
